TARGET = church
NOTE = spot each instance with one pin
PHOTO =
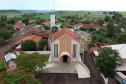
(65, 46)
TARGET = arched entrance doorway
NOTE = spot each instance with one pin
(65, 57)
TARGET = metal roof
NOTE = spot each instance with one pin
(9, 56)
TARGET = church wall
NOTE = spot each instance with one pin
(52, 50)
(61, 59)
(74, 59)
(49, 43)
(68, 59)
(68, 44)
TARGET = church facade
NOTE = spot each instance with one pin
(65, 46)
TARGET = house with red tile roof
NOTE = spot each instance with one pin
(65, 46)
(48, 23)
(91, 25)
(77, 26)
(19, 26)
(28, 37)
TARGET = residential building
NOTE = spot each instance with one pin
(19, 26)
(77, 26)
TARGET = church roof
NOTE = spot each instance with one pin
(67, 32)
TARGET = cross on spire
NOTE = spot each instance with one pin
(65, 43)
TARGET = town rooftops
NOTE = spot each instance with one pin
(32, 37)
(48, 22)
(18, 25)
(120, 47)
(37, 30)
(67, 32)
(79, 24)
(90, 25)
(103, 28)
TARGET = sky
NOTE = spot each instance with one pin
(108, 5)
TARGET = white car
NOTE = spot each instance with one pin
(23, 33)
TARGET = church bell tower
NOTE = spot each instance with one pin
(52, 16)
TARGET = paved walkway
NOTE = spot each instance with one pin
(66, 78)
(59, 68)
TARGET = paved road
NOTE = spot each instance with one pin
(60, 78)
(13, 41)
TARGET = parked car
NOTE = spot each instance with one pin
(23, 33)
(120, 77)
(27, 27)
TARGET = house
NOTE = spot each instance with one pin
(122, 51)
(85, 36)
(46, 34)
(105, 28)
(77, 26)
(30, 21)
(31, 37)
(9, 60)
(115, 24)
(123, 30)
(35, 31)
(68, 20)
(48, 23)
(96, 26)
(65, 46)
(19, 26)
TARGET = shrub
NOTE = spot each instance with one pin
(82, 28)
(28, 45)
(90, 45)
(7, 51)
(42, 42)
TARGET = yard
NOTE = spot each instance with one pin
(12, 14)
(40, 28)
(2, 65)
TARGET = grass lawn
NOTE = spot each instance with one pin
(40, 28)
(123, 13)
(109, 40)
(11, 14)
(46, 59)
(2, 65)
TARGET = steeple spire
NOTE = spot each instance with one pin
(54, 6)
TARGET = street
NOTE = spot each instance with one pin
(10, 44)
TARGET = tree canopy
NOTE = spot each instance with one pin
(107, 61)
(26, 21)
(31, 62)
(18, 77)
(46, 27)
(121, 38)
(91, 29)
(82, 28)
(38, 22)
(110, 29)
(28, 45)
(86, 22)
(55, 29)
(42, 43)
(5, 34)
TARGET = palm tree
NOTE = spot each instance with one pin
(94, 39)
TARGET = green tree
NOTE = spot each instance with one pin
(26, 21)
(91, 29)
(2, 18)
(12, 21)
(2, 25)
(7, 51)
(5, 18)
(28, 45)
(107, 18)
(121, 38)
(86, 22)
(100, 22)
(82, 28)
(5, 34)
(46, 27)
(38, 22)
(110, 29)
(1, 39)
(18, 77)
(55, 29)
(68, 26)
(108, 60)
(42, 43)
(94, 38)
(31, 62)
